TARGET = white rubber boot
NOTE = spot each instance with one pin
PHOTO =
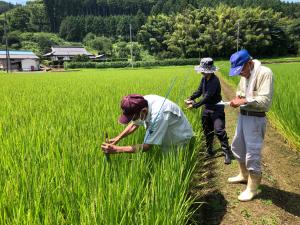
(252, 187)
(242, 177)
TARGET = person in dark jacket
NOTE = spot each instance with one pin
(213, 115)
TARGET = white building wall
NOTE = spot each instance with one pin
(30, 64)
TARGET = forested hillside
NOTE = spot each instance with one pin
(57, 10)
(161, 29)
(4, 6)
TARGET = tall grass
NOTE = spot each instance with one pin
(52, 170)
(286, 101)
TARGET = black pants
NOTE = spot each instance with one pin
(213, 122)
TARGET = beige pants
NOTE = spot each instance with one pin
(248, 141)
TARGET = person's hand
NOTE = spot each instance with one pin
(113, 141)
(188, 102)
(237, 102)
(190, 106)
(109, 148)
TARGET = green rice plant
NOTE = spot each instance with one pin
(52, 170)
(286, 103)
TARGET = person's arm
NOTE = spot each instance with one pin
(238, 101)
(197, 93)
(211, 91)
(113, 149)
(127, 131)
(263, 98)
(240, 95)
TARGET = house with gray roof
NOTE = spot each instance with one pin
(61, 54)
(19, 60)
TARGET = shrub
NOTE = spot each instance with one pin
(99, 65)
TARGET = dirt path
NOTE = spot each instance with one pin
(279, 199)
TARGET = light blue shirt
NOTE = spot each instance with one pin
(166, 123)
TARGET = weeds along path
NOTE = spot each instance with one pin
(279, 199)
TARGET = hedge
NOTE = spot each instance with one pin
(100, 65)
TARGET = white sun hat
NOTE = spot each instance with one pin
(206, 66)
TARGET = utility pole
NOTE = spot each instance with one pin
(131, 51)
(238, 36)
(6, 45)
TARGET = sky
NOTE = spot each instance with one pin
(24, 1)
(16, 1)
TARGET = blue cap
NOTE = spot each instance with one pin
(238, 61)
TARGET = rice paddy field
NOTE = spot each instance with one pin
(52, 170)
(284, 112)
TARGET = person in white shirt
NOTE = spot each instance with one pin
(254, 97)
(166, 124)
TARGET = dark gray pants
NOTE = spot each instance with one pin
(213, 122)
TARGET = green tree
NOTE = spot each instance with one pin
(13, 39)
(122, 50)
(5, 6)
(38, 17)
(89, 37)
(19, 19)
(72, 28)
(155, 32)
(294, 36)
(213, 32)
(40, 43)
(102, 45)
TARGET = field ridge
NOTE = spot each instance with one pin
(278, 201)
